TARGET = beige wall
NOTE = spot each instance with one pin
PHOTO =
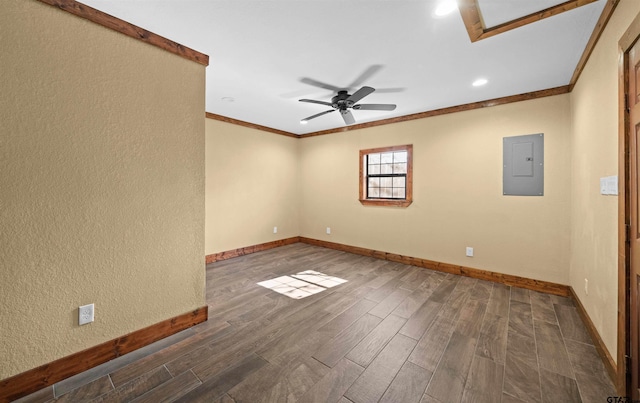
(567, 236)
(594, 137)
(251, 186)
(102, 162)
(458, 199)
(101, 184)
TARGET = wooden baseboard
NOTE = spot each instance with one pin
(607, 359)
(216, 257)
(508, 279)
(46, 375)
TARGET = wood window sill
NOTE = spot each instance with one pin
(385, 202)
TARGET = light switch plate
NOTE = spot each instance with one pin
(609, 185)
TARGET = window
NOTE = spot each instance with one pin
(386, 176)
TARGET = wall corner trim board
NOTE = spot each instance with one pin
(38, 378)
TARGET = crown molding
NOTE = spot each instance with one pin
(444, 111)
(123, 27)
(221, 118)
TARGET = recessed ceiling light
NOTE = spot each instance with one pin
(304, 122)
(227, 99)
(480, 82)
(445, 7)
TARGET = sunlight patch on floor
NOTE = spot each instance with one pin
(302, 284)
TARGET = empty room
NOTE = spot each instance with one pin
(185, 217)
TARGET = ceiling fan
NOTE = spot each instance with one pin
(343, 101)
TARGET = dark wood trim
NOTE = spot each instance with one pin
(623, 332)
(444, 111)
(421, 115)
(626, 42)
(230, 254)
(123, 27)
(605, 356)
(387, 202)
(249, 125)
(630, 37)
(46, 375)
(472, 17)
(607, 12)
(508, 279)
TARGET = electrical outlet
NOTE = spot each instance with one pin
(328, 230)
(85, 314)
(586, 286)
(469, 251)
(275, 230)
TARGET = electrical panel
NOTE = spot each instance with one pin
(523, 165)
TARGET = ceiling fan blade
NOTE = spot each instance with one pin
(348, 117)
(365, 75)
(316, 115)
(390, 90)
(317, 83)
(313, 101)
(375, 107)
(361, 93)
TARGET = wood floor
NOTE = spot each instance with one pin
(392, 333)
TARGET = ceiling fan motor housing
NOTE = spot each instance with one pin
(340, 101)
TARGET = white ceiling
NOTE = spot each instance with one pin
(260, 49)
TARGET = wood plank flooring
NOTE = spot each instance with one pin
(392, 333)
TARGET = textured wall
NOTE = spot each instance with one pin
(101, 184)
(457, 191)
(252, 186)
(566, 236)
(594, 140)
